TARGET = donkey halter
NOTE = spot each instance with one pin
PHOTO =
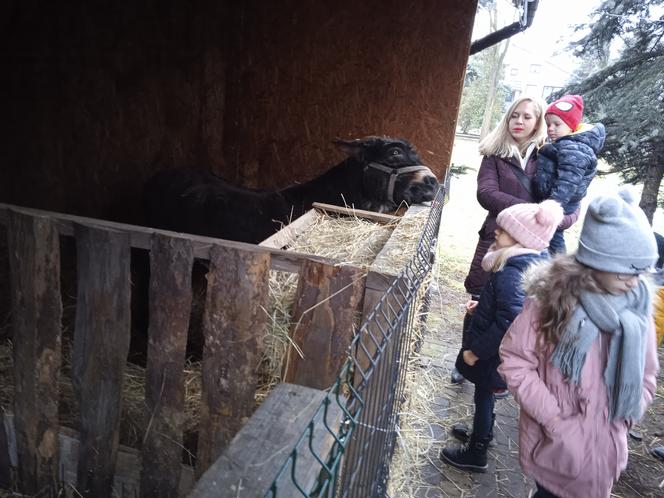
(394, 173)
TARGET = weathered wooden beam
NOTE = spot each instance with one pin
(381, 276)
(291, 231)
(140, 237)
(358, 213)
(326, 312)
(171, 262)
(234, 324)
(34, 264)
(258, 452)
(101, 344)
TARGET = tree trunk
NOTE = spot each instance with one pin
(651, 184)
(496, 64)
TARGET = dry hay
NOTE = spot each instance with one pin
(419, 424)
(348, 240)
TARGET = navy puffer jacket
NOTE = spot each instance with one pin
(500, 302)
(566, 167)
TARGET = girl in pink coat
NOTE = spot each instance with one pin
(581, 358)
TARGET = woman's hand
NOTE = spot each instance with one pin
(469, 357)
(470, 306)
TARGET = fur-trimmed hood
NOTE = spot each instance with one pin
(536, 276)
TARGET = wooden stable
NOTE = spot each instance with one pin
(33, 444)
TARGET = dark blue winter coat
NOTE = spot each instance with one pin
(500, 302)
(566, 167)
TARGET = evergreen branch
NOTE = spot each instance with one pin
(603, 75)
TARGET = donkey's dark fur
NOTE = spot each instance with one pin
(196, 201)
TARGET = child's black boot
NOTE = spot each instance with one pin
(461, 431)
(471, 457)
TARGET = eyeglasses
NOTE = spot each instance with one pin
(624, 277)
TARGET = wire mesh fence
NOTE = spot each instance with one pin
(368, 390)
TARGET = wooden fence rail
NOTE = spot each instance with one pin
(234, 324)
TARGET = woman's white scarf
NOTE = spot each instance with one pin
(626, 319)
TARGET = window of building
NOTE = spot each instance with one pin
(536, 68)
(514, 71)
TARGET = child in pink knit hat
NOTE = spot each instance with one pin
(567, 164)
(522, 236)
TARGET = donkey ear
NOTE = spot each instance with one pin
(353, 148)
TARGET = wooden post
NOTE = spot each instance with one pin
(101, 344)
(171, 262)
(327, 304)
(234, 325)
(34, 261)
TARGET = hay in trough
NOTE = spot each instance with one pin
(347, 240)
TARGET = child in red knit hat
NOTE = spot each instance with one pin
(567, 164)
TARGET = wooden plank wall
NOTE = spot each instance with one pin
(329, 298)
(253, 90)
(325, 316)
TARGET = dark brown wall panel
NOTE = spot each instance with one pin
(307, 71)
(98, 95)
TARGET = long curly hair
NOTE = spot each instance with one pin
(556, 286)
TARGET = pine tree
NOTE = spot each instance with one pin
(627, 93)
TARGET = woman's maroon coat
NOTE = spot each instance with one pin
(498, 188)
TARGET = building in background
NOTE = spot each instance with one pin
(525, 73)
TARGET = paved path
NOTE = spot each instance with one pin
(454, 402)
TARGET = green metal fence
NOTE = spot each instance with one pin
(368, 390)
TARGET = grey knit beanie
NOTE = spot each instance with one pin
(616, 236)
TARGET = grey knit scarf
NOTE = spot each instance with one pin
(626, 318)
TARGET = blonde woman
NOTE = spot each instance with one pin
(504, 177)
